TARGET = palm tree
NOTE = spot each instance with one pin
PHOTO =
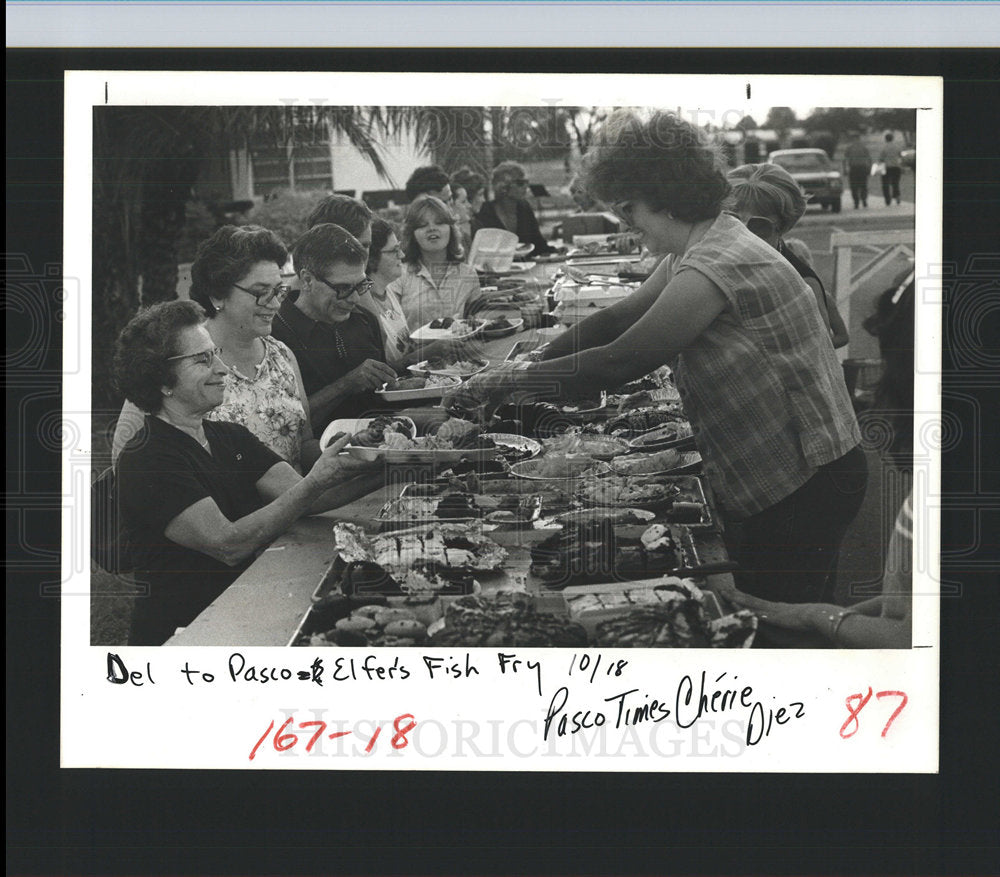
(147, 159)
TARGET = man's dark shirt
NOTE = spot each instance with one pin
(326, 352)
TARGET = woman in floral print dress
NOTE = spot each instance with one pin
(236, 278)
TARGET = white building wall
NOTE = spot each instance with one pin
(352, 170)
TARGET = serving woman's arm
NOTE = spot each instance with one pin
(678, 315)
(607, 324)
(203, 527)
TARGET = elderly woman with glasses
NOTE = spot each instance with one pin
(769, 202)
(510, 209)
(236, 278)
(753, 361)
(200, 498)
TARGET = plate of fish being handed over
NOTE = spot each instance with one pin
(369, 431)
(452, 441)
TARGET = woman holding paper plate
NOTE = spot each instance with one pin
(753, 361)
(198, 498)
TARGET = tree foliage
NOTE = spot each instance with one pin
(147, 161)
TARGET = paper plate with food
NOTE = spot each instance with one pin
(418, 387)
(657, 463)
(452, 366)
(597, 447)
(679, 499)
(559, 468)
(369, 431)
(451, 328)
(450, 442)
(514, 448)
(677, 435)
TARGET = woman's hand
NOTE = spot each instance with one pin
(331, 469)
(490, 387)
(803, 617)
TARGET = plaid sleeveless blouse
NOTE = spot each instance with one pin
(762, 385)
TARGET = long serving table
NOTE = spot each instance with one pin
(264, 606)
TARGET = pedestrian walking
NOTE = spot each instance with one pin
(857, 167)
(891, 158)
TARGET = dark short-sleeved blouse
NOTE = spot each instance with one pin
(162, 472)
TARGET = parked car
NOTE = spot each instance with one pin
(814, 172)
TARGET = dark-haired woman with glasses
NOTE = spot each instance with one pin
(236, 278)
(199, 498)
(758, 376)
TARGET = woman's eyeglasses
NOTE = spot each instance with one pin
(269, 294)
(203, 357)
(346, 290)
(395, 251)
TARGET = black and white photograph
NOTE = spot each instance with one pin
(476, 369)
(521, 472)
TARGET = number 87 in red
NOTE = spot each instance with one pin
(856, 703)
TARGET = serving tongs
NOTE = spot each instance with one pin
(578, 276)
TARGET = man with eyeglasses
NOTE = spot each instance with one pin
(510, 209)
(337, 344)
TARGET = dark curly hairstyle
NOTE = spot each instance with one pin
(325, 245)
(381, 232)
(426, 179)
(229, 255)
(141, 366)
(443, 214)
(342, 210)
(661, 162)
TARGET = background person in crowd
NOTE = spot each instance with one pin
(429, 180)
(510, 209)
(891, 157)
(385, 264)
(435, 282)
(857, 169)
(578, 192)
(752, 359)
(474, 186)
(199, 498)
(337, 344)
(769, 202)
(883, 622)
(236, 278)
(349, 213)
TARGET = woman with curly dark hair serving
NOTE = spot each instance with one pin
(751, 356)
(199, 498)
